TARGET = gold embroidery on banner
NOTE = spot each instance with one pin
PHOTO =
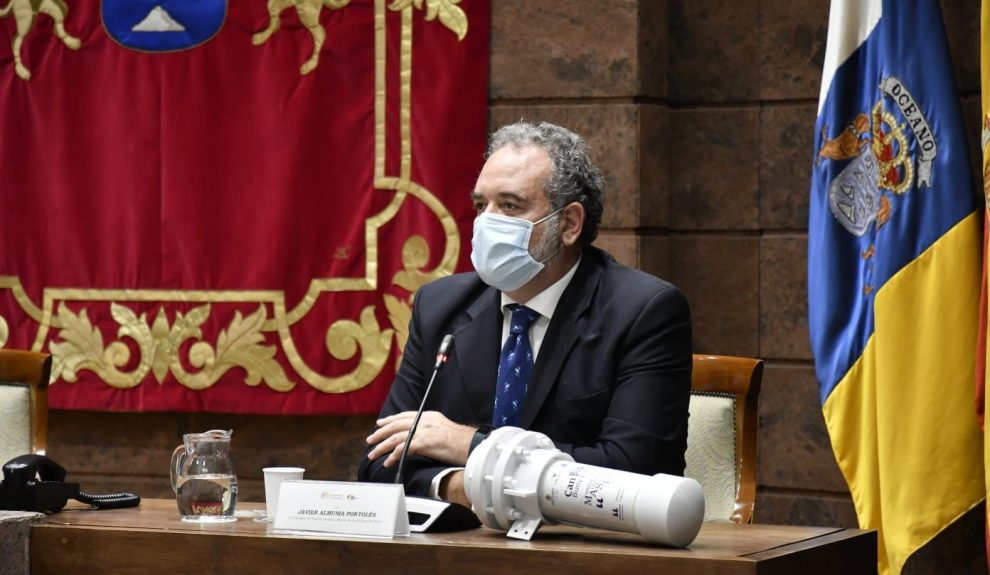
(452, 245)
(25, 12)
(309, 11)
(168, 339)
(156, 344)
(380, 61)
(14, 285)
(309, 14)
(82, 348)
(342, 341)
(4, 331)
(399, 314)
(415, 255)
(405, 96)
(450, 13)
(240, 345)
(370, 281)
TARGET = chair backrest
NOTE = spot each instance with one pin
(23, 402)
(722, 434)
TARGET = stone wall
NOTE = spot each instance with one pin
(701, 113)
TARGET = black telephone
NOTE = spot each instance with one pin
(34, 482)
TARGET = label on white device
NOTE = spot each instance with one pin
(342, 508)
(583, 493)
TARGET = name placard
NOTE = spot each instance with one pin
(342, 508)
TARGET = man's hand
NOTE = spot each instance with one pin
(452, 489)
(436, 437)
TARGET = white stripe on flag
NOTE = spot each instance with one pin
(849, 23)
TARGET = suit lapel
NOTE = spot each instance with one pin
(476, 351)
(561, 335)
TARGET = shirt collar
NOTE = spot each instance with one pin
(545, 302)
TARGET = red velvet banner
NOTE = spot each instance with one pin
(199, 214)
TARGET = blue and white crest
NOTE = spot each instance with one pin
(162, 25)
(854, 196)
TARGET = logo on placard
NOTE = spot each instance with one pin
(162, 25)
(337, 496)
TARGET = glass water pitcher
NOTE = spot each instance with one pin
(203, 477)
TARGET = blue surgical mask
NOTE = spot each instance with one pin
(500, 250)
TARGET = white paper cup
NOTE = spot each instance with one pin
(274, 476)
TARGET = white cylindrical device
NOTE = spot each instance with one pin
(517, 479)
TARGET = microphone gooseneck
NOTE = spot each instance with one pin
(442, 353)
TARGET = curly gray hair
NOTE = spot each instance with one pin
(573, 177)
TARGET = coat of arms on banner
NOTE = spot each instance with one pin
(882, 163)
(162, 25)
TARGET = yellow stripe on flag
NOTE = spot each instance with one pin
(902, 422)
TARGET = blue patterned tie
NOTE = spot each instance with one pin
(514, 367)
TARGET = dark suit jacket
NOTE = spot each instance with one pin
(610, 386)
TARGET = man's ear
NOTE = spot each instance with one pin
(572, 223)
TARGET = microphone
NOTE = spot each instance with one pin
(448, 341)
(431, 515)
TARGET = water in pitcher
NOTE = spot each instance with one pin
(203, 478)
(207, 498)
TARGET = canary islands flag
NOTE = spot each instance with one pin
(894, 239)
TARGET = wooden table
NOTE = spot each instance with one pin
(151, 539)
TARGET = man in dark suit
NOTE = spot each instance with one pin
(599, 359)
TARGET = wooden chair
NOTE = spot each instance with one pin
(23, 403)
(722, 434)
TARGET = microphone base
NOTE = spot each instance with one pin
(435, 516)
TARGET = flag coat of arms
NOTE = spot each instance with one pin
(894, 273)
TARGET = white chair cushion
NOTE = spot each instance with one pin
(711, 452)
(15, 421)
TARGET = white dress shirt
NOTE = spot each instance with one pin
(543, 303)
